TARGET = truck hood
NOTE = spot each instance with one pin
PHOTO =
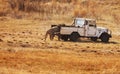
(103, 28)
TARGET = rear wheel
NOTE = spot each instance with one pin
(74, 37)
(64, 37)
(94, 38)
(104, 37)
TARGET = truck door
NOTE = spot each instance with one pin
(79, 23)
(91, 30)
(81, 31)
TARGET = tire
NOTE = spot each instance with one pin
(104, 37)
(74, 37)
(94, 38)
(64, 37)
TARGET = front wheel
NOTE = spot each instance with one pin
(104, 37)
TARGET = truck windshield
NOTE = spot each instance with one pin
(80, 23)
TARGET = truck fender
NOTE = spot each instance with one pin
(102, 34)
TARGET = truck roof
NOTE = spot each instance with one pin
(86, 19)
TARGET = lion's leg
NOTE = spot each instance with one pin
(59, 36)
(46, 36)
(51, 37)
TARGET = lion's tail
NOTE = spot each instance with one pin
(46, 35)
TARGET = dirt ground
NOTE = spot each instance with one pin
(24, 51)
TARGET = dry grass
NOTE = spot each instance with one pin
(24, 51)
(116, 18)
(52, 62)
(22, 46)
(49, 10)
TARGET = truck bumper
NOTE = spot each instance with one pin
(110, 35)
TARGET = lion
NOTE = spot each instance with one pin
(52, 32)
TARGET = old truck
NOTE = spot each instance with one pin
(83, 27)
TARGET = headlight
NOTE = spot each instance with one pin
(109, 32)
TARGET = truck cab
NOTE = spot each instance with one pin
(87, 27)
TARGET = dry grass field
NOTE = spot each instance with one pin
(24, 51)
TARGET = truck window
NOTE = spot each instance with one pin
(91, 25)
(80, 23)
